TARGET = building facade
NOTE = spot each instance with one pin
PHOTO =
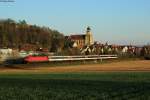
(82, 40)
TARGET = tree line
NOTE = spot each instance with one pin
(16, 34)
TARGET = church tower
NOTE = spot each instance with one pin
(89, 37)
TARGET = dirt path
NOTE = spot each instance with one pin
(139, 65)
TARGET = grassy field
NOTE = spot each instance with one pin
(76, 86)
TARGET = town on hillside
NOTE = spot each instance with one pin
(19, 40)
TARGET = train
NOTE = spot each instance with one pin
(46, 58)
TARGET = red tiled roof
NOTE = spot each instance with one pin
(76, 37)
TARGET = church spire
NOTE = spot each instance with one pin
(89, 37)
(88, 30)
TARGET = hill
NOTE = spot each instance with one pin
(16, 34)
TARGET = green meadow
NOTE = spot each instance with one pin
(76, 86)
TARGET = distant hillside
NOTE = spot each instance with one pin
(16, 34)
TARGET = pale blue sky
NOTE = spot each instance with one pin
(115, 21)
